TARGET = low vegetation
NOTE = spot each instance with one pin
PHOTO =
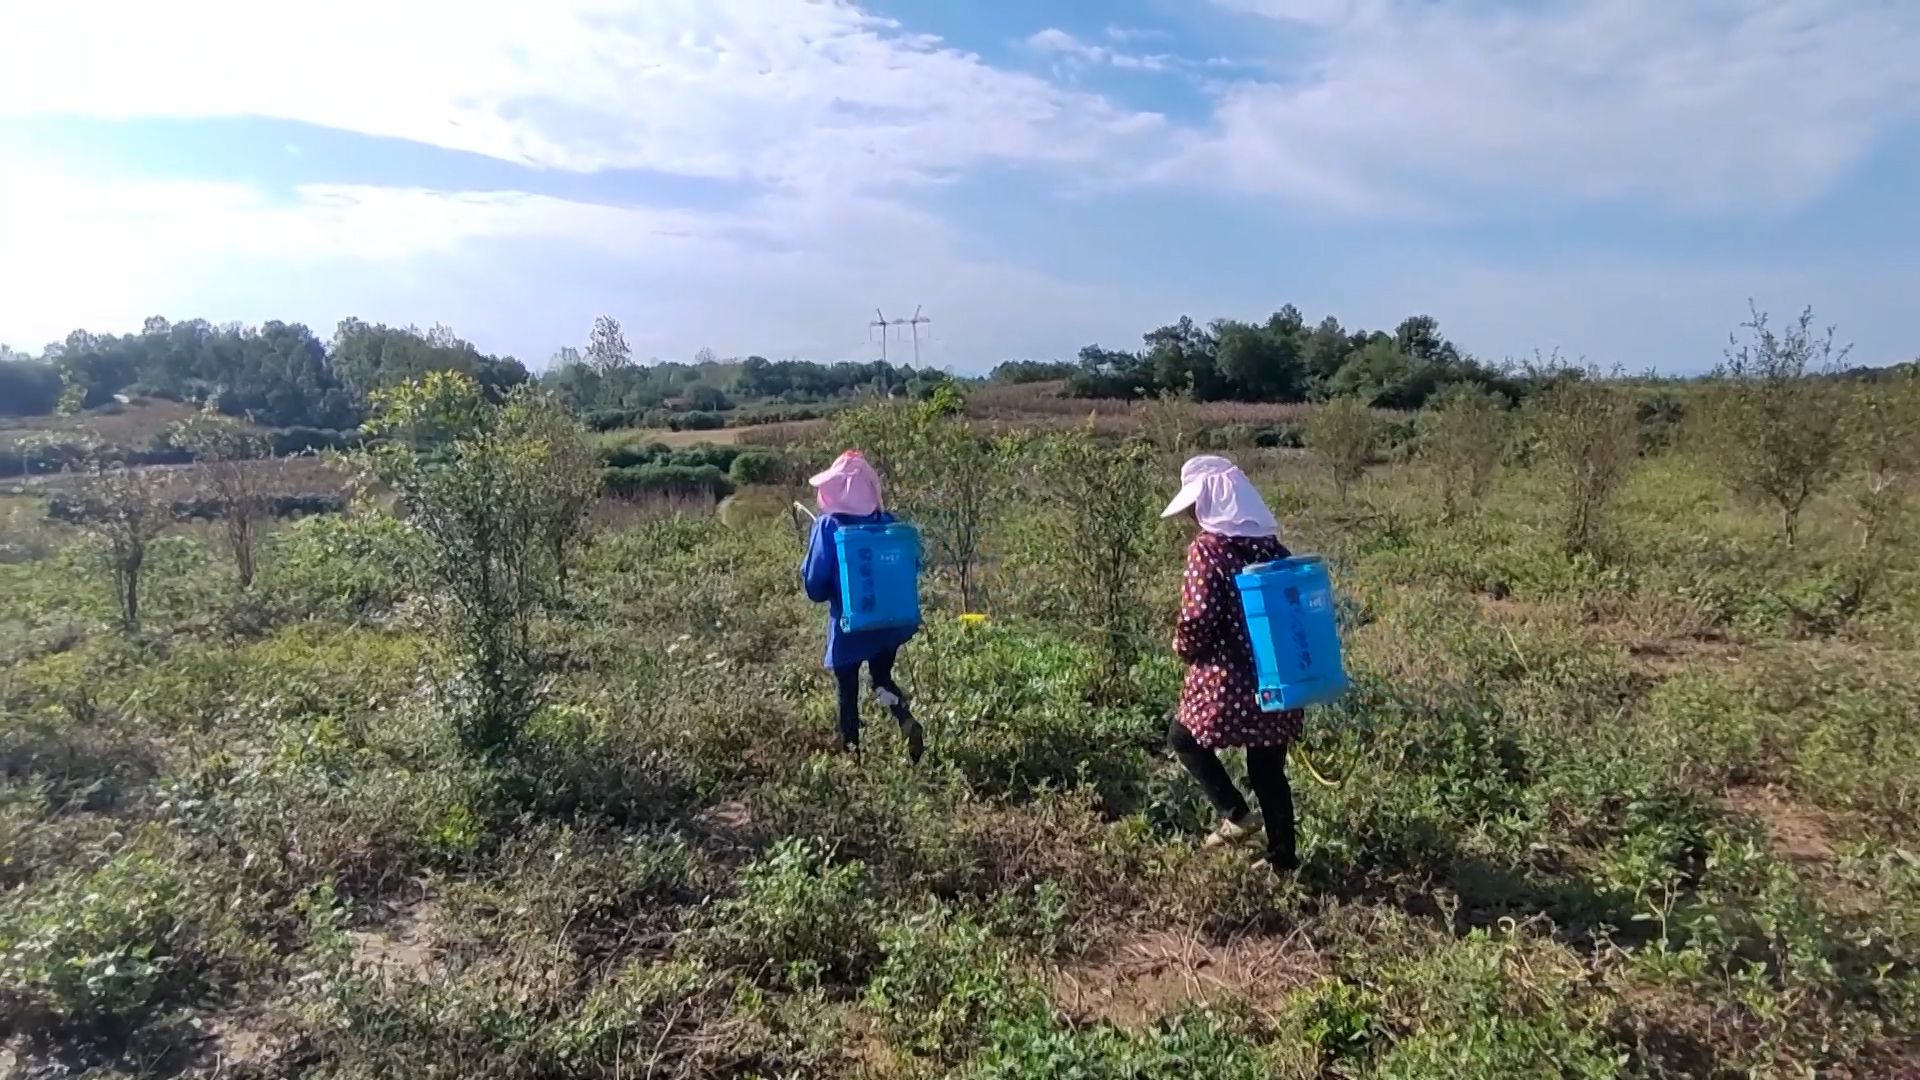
(464, 785)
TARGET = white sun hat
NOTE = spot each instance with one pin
(1223, 500)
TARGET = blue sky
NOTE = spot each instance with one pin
(1609, 178)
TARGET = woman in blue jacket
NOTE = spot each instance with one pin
(849, 494)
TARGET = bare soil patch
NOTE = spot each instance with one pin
(403, 948)
(1665, 657)
(1145, 977)
(241, 1044)
(1799, 833)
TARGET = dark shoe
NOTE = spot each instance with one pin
(916, 736)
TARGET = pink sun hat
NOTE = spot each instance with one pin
(848, 486)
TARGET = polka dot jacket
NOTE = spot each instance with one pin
(1218, 704)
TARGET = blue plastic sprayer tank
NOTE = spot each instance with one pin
(1296, 641)
(879, 576)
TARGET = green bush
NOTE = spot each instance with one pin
(1778, 429)
(1343, 434)
(103, 949)
(498, 494)
(1029, 725)
(1465, 435)
(757, 467)
(1095, 550)
(1194, 1043)
(627, 454)
(1587, 435)
(798, 919)
(339, 566)
(302, 440)
(1470, 1014)
(641, 481)
(946, 982)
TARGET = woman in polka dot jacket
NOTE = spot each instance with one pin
(1217, 703)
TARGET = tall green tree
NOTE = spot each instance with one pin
(1181, 356)
(1260, 363)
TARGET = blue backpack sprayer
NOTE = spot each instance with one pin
(1289, 611)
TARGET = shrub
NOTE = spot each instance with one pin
(1030, 728)
(340, 566)
(1279, 436)
(1662, 415)
(641, 481)
(886, 434)
(99, 949)
(1171, 423)
(757, 467)
(1587, 436)
(707, 398)
(957, 481)
(1777, 433)
(627, 454)
(938, 473)
(1472, 1017)
(778, 414)
(485, 486)
(619, 419)
(945, 982)
(798, 919)
(126, 510)
(570, 481)
(1096, 548)
(38, 455)
(1342, 435)
(1886, 427)
(232, 480)
(1466, 432)
(720, 457)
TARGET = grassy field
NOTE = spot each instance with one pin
(1652, 814)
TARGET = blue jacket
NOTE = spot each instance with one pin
(821, 575)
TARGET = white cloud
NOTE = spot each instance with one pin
(64, 217)
(830, 114)
(1064, 45)
(1310, 12)
(786, 275)
(1701, 107)
(790, 92)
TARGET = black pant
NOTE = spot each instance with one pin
(880, 673)
(1266, 774)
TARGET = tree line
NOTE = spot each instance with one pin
(1282, 359)
(278, 374)
(605, 385)
(282, 375)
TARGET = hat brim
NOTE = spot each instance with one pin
(1183, 499)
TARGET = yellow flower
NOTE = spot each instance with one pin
(973, 619)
